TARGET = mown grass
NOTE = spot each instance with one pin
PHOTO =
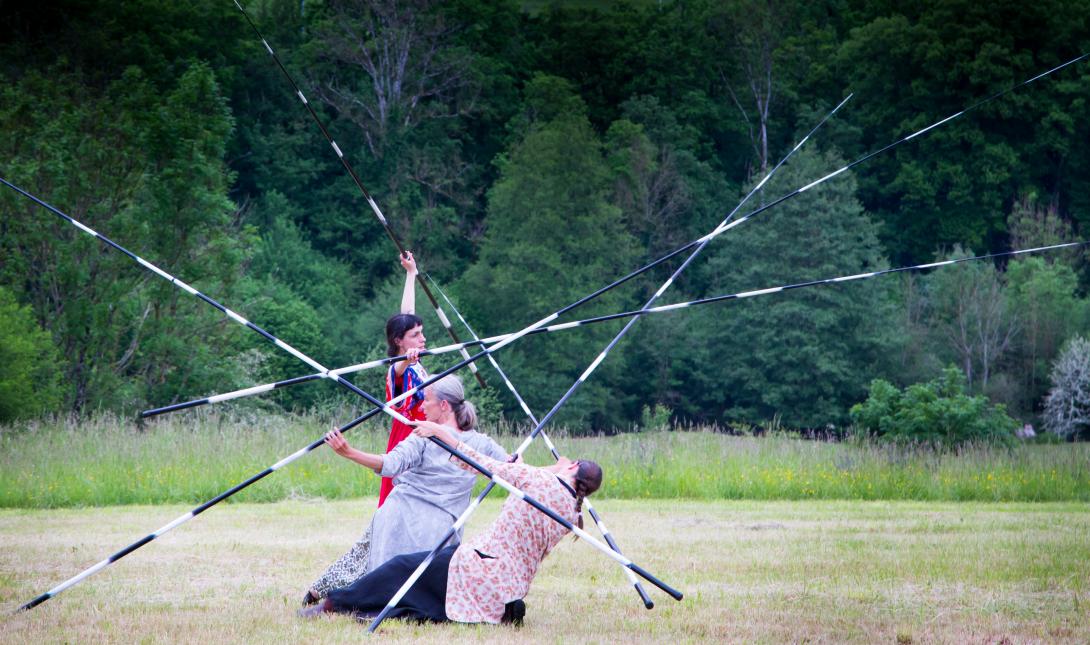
(193, 457)
(751, 571)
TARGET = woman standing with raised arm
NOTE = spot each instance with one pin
(404, 336)
(430, 494)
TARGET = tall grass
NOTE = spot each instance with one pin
(193, 457)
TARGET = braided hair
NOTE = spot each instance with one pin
(587, 480)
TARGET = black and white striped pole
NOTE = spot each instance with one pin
(384, 407)
(538, 425)
(290, 458)
(513, 490)
(628, 314)
(359, 184)
(233, 316)
(439, 311)
(598, 521)
(730, 224)
(726, 224)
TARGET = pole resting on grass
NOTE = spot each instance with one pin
(380, 406)
(233, 316)
(646, 599)
(538, 425)
(296, 455)
(359, 184)
(553, 515)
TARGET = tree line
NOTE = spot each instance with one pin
(529, 153)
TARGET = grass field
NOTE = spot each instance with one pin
(189, 458)
(805, 571)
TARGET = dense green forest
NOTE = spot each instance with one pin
(529, 153)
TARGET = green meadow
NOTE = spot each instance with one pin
(189, 458)
(751, 571)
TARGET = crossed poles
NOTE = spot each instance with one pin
(467, 361)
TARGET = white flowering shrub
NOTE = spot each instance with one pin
(1067, 406)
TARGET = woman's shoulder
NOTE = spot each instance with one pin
(412, 443)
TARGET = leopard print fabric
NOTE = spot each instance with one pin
(347, 568)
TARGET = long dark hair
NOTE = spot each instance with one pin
(396, 327)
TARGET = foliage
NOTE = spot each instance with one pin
(552, 238)
(30, 366)
(1045, 295)
(144, 167)
(655, 417)
(802, 354)
(933, 59)
(938, 413)
(972, 317)
(528, 155)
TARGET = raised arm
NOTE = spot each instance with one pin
(408, 296)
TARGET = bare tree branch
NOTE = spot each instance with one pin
(397, 67)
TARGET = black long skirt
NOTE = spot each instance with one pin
(425, 600)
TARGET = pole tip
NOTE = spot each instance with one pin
(33, 603)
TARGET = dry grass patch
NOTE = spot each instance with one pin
(752, 572)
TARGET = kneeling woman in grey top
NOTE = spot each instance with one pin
(429, 492)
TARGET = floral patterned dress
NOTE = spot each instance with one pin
(497, 566)
(412, 407)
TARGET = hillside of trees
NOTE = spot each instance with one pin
(529, 153)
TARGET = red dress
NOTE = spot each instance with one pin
(412, 408)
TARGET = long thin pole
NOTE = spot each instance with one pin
(499, 481)
(617, 316)
(539, 425)
(718, 231)
(420, 278)
(598, 521)
(283, 462)
(724, 225)
(233, 316)
(359, 184)
(513, 337)
(387, 408)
